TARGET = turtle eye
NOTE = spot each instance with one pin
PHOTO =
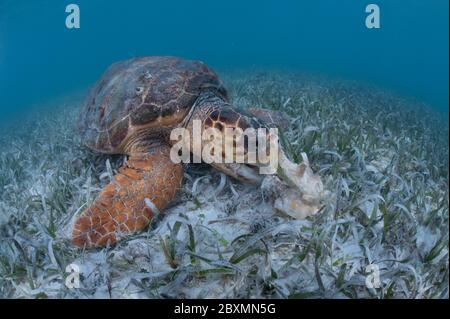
(139, 90)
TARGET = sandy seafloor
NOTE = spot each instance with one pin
(383, 159)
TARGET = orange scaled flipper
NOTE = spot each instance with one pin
(144, 185)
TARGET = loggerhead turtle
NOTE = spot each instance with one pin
(131, 110)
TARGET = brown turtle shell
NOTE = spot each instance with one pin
(139, 98)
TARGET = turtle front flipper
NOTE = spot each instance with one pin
(143, 186)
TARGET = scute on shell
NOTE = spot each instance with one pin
(138, 93)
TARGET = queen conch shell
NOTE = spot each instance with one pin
(298, 192)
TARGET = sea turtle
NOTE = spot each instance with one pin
(131, 110)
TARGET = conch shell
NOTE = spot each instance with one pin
(296, 191)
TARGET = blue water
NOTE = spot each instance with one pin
(40, 58)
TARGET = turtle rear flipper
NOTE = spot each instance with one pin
(143, 186)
